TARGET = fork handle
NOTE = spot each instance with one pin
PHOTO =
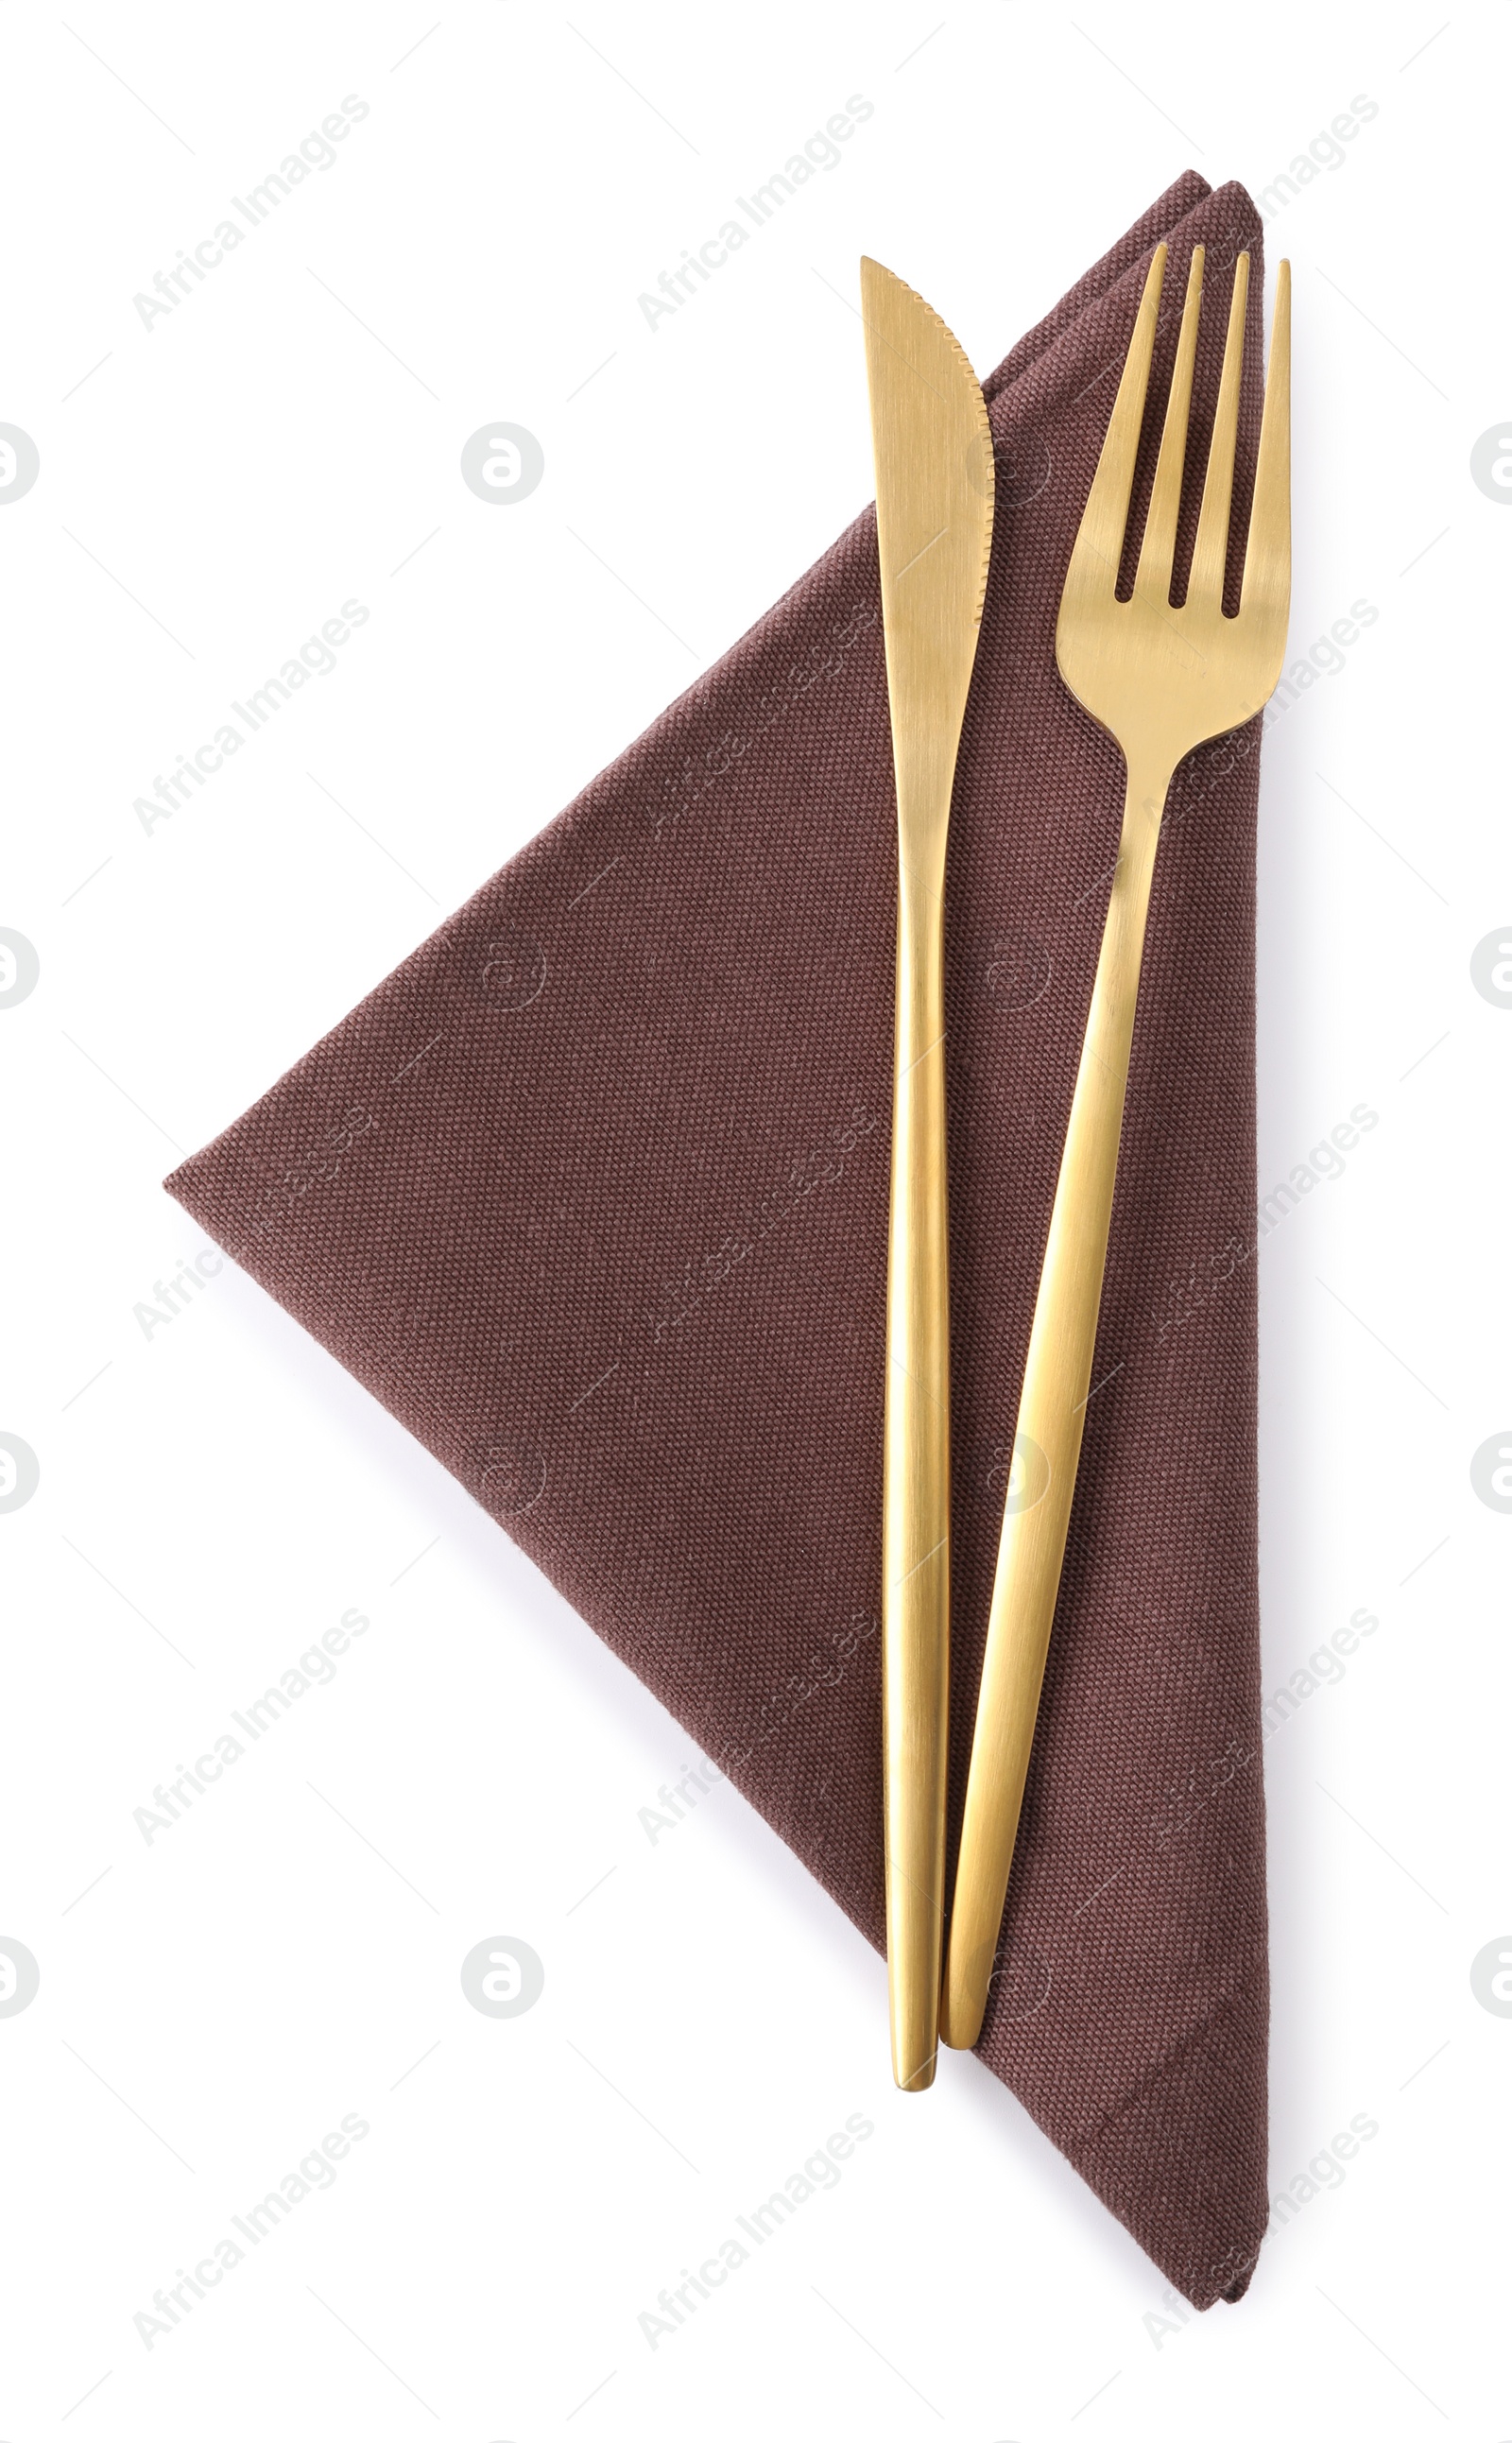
(915, 1491)
(1047, 1443)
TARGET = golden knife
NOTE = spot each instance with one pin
(933, 454)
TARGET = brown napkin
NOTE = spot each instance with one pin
(591, 1194)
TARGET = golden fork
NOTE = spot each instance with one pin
(1161, 680)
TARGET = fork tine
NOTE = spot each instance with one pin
(1101, 534)
(1159, 547)
(1268, 553)
(1206, 583)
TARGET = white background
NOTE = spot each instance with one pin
(214, 1497)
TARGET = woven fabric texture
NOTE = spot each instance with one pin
(591, 1194)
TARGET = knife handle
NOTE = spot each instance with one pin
(1048, 1443)
(916, 1490)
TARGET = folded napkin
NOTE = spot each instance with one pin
(591, 1194)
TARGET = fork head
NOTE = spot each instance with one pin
(1163, 678)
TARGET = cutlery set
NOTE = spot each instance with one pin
(1161, 678)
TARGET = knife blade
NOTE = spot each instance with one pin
(932, 450)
